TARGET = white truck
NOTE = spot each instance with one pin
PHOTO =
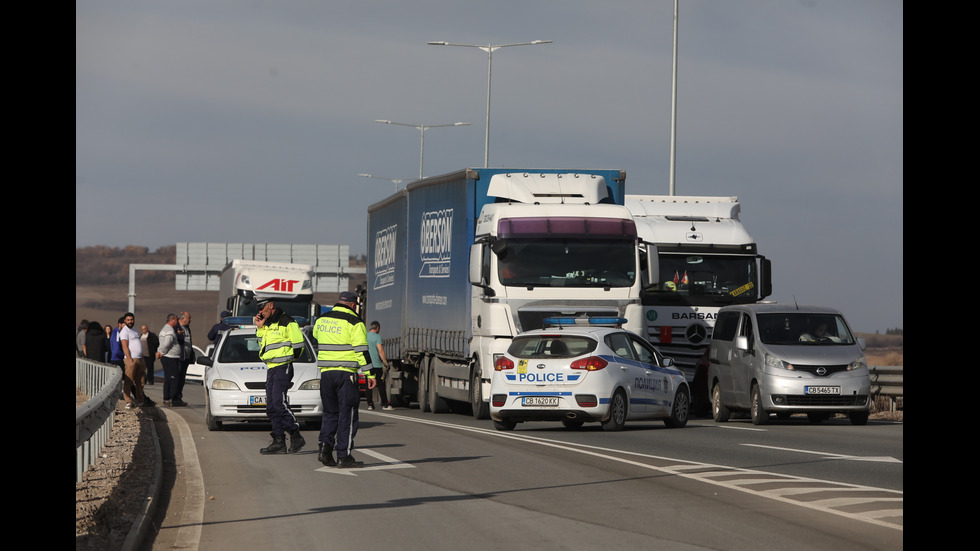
(459, 264)
(290, 284)
(703, 259)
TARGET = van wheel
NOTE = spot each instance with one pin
(759, 415)
(681, 409)
(719, 412)
(858, 417)
(618, 411)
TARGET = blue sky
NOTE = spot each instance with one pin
(240, 121)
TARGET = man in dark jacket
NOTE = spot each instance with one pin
(150, 344)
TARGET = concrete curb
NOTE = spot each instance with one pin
(137, 533)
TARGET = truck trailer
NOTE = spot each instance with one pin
(702, 258)
(459, 264)
(291, 285)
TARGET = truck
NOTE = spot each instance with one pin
(290, 284)
(459, 264)
(701, 258)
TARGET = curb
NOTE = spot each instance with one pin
(137, 533)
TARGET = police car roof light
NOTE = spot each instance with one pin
(586, 321)
(240, 321)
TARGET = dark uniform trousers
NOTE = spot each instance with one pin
(277, 382)
(341, 397)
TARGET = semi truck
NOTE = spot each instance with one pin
(702, 258)
(459, 264)
(291, 285)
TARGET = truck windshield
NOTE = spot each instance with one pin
(297, 309)
(806, 328)
(566, 262)
(703, 280)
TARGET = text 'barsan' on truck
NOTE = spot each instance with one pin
(461, 263)
(290, 285)
(703, 259)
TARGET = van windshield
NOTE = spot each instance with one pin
(804, 328)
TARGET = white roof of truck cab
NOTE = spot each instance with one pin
(684, 205)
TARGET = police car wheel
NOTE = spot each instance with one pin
(618, 412)
(680, 410)
(504, 425)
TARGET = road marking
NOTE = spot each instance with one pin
(389, 463)
(828, 455)
(883, 507)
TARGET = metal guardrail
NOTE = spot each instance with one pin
(102, 383)
(887, 381)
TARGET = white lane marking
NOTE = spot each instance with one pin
(389, 463)
(721, 475)
(828, 455)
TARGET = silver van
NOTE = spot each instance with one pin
(783, 359)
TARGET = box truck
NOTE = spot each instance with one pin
(459, 264)
(290, 284)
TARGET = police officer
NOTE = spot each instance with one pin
(342, 349)
(281, 342)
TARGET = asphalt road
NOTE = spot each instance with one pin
(451, 482)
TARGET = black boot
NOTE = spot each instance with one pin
(278, 445)
(296, 441)
(349, 463)
(326, 455)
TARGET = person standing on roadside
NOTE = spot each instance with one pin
(95, 342)
(379, 363)
(169, 353)
(150, 343)
(280, 342)
(187, 355)
(80, 333)
(116, 356)
(342, 349)
(135, 369)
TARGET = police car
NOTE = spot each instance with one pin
(234, 382)
(580, 370)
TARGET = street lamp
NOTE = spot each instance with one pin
(423, 128)
(489, 48)
(395, 180)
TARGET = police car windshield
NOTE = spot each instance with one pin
(244, 348)
(295, 308)
(550, 346)
(803, 328)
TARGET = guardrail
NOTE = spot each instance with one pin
(887, 381)
(102, 383)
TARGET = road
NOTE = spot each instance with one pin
(451, 482)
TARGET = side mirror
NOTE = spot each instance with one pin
(742, 343)
(205, 360)
(668, 362)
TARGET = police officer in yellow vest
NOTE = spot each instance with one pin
(281, 341)
(342, 348)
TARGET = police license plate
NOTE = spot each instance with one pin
(540, 401)
(821, 389)
(256, 400)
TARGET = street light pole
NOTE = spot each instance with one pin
(422, 128)
(395, 180)
(489, 49)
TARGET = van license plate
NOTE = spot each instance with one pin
(821, 389)
(256, 400)
(540, 401)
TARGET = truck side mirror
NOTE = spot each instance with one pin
(765, 277)
(476, 264)
(652, 264)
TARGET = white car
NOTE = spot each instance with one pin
(586, 370)
(234, 382)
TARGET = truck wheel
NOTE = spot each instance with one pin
(759, 415)
(618, 412)
(481, 408)
(437, 404)
(423, 394)
(719, 412)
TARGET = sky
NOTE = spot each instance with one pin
(250, 122)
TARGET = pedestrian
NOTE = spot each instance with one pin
(187, 356)
(342, 349)
(214, 335)
(108, 344)
(169, 355)
(150, 342)
(280, 342)
(135, 369)
(95, 342)
(116, 356)
(379, 364)
(80, 335)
